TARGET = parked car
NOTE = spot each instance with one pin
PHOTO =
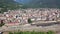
(1, 32)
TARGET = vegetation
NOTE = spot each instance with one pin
(29, 20)
(41, 3)
(2, 23)
(10, 33)
(6, 5)
(11, 4)
(50, 32)
(27, 32)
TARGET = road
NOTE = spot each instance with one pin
(29, 27)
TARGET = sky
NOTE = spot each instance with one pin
(22, 1)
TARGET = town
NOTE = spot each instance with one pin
(19, 19)
(22, 15)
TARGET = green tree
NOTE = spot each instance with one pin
(18, 32)
(10, 33)
(29, 20)
(33, 32)
(2, 23)
(50, 32)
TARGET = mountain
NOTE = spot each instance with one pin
(44, 3)
(41, 3)
(9, 5)
(23, 1)
(16, 4)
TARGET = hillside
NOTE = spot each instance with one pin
(41, 3)
(11, 4)
(8, 5)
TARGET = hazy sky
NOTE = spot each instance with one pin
(22, 1)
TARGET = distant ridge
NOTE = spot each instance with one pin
(41, 3)
(8, 5)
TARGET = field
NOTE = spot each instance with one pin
(33, 32)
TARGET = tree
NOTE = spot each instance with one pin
(10, 33)
(2, 23)
(29, 20)
(3, 10)
(50, 32)
(20, 32)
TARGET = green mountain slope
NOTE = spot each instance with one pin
(8, 5)
(43, 4)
